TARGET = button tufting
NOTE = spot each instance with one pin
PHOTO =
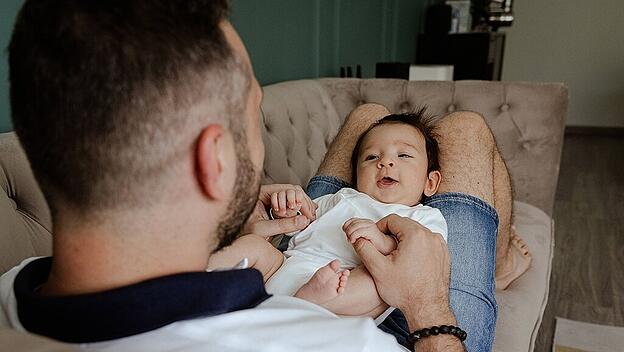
(504, 107)
(404, 105)
(451, 108)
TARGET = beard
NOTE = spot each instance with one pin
(246, 190)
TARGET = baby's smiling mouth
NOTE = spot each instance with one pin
(386, 182)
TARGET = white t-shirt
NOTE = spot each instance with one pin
(280, 323)
(324, 240)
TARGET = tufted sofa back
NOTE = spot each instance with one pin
(301, 118)
(527, 119)
(25, 222)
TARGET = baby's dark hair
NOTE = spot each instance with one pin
(420, 120)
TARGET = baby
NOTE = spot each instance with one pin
(395, 164)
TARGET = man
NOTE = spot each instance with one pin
(140, 120)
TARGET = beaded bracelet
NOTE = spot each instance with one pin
(433, 331)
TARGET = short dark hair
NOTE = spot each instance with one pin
(420, 120)
(102, 93)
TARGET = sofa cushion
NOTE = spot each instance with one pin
(521, 306)
(299, 123)
(24, 214)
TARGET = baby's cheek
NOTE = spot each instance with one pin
(364, 184)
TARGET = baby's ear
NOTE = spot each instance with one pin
(433, 182)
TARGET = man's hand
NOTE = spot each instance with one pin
(415, 276)
(356, 228)
(259, 222)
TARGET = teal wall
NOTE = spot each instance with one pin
(8, 12)
(293, 39)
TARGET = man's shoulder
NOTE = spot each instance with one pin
(280, 323)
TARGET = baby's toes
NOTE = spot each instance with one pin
(521, 242)
(344, 277)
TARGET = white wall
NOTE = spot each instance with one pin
(578, 42)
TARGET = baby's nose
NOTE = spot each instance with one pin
(385, 163)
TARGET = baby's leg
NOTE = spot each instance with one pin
(360, 297)
(260, 253)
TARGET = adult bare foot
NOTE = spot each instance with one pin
(326, 284)
(518, 261)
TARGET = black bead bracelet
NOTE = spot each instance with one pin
(433, 331)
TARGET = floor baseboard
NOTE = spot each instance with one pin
(595, 131)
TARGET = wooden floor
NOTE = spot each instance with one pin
(587, 282)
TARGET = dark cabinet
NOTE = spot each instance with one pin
(477, 55)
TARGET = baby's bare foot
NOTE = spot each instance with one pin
(517, 262)
(326, 284)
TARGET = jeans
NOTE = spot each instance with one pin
(472, 230)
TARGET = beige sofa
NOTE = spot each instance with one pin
(300, 120)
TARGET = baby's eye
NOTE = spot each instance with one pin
(370, 157)
(403, 155)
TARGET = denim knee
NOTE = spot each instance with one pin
(321, 185)
(472, 230)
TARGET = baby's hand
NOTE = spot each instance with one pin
(356, 228)
(287, 203)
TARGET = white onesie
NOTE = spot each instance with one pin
(324, 240)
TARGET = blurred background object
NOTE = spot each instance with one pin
(492, 13)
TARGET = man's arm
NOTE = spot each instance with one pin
(422, 294)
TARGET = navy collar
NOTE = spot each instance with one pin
(133, 309)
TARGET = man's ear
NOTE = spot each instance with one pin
(209, 161)
(433, 182)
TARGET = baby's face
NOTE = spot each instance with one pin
(392, 165)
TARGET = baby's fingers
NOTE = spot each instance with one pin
(281, 199)
(291, 199)
(358, 233)
(348, 223)
(298, 198)
(354, 225)
(275, 201)
(351, 237)
(308, 208)
(361, 224)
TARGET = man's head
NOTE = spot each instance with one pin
(118, 102)
(396, 159)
